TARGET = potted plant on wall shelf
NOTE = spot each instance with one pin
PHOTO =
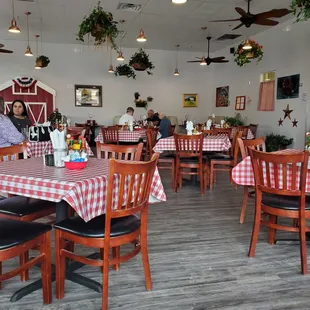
(244, 57)
(42, 61)
(140, 103)
(301, 9)
(140, 62)
(100, 25)
(234, 120)
(125, 70)
(277, 142)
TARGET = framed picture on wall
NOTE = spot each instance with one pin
(240, 103)
(222, 96)
(190, 100)
(288, 87)
(88, 96)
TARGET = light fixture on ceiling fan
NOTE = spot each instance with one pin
(179, 1)
(14, 28)
(176, 71)
(120, 56)
(28, 49)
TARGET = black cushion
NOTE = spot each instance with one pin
(20, 206)
(95, 227)
(219, 156)
(167, 155)
(13, 233)
(192, 160)
(283, 202)
(2, 197)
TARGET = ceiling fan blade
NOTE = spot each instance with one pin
(5, 51)
(241, 11)
(199, 57)
(217, 58)
(238, 26)
(224, 20)
(1, 45)
(266, 22)
(276, 13)
(194, 61)
(219, 61)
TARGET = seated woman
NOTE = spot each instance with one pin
(18, 115)
(8, 133)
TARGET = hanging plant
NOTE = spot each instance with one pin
(125, 70)
(100, 25)
(244, 56)
(55, 117)
(140, 62)
(301, 9)
(42, 61)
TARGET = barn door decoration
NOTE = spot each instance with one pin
(38, 97)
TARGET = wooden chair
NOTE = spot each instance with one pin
(122, 152)
(210, 132)
(244, 129)
(22, 208)
(223, 131)
(253, 128)
(280, 184)
(76, 132)
(223, 162)
(119, 225)
(151, 139)
(110, 134)
(166, 160)
(171, 130)
(87, 130)
(16, 238)
(248, 191)
(189, 156)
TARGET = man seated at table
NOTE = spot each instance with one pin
(153, 117)
(164, 125)
(128, 117)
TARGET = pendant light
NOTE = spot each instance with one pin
(28, 49)
(111, 70)
(203, 58)
(14, 28)
(179, 1)
(37, 66)
(247, 46)
(120, 56)
(203, 61)
(141, 37)
(176, 71)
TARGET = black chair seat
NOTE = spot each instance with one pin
(95, 227)
(192, 160)
(13, 233)
(283, 202)
(219, 156)
(2, 197)
(21, 206)
(166, 155)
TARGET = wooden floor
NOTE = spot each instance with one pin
(198, 255)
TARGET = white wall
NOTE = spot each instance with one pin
(285, 52)
(90, 68)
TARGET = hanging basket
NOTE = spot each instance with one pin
(138, 67)
(250, 55)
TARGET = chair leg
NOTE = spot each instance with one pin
(23, 259)
(244, 204)
(46, 270)
(180, 179)
(272, 231)
(211, 175)
(176, 180)
(60, 265)
(116, 254)
(101, 257)
(255, 232)
(201, 179)
(173, 172)
(303, 246)
(105, 278)
(0, 274)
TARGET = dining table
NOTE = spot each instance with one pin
(84, 190)
(126, 136)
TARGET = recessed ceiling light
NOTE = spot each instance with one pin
(179, 1)
(287, 28)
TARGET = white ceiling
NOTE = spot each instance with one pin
(165, 24)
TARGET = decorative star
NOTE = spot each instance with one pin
(287, 112)
(294, 122)
(280, 121)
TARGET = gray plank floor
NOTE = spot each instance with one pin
(198, 256)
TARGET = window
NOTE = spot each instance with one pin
(268, 76)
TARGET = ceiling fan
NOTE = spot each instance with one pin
(2, 50)
(208, 60)
(247, 19)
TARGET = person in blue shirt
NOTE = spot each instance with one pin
(164, 125)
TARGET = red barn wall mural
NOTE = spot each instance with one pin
(38, 97)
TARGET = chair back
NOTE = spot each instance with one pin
(188, 146)
(223, 131)
(129, 185)
(244, 129)
(171, 130)
(280, 174)
(151, 135)
(121, 152)
(87, 129)
(253, 128)
(234, 151)
(9, 153)
(210, 132)
(110, 134)
(76, 132)
(258, 144)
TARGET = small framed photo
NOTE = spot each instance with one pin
(190, 100)
(240, 103)
(88, 96)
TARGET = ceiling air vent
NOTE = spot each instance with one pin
(228, 37)
(31, 1)
(129, 7)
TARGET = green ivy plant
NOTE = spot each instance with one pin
(100, 25)
(125, 70)
(140, 61)
(301, 9)
(244, 57)
(277, 142)
(42, 61)
(234, 121)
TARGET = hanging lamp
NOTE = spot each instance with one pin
(179, 1)
(111, 69)
(141, 37)
(176, 71)
(120, 56)
(247, 46)
(14, 28)
(28, 49)
(37, 66)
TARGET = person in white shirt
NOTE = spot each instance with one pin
(128, 117)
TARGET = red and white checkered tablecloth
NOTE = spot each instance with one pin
(218, 143)
(36, 149)
(242, 174)
(250, 135)
(85, 190)
(126, 136)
